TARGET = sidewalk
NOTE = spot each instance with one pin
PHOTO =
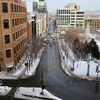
(23, 69)
(81, 68)
(31, 71)
(34, 94)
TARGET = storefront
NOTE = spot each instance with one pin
(9, 67)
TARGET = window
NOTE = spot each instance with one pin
(8, 53)
(14, 50)
(4, 7)
(12, 7)
(6, 23)
(13, 23)
(7, 38)
(80, 12)
(13, 37)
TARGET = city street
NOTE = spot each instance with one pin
(60, 84)
(55, 79)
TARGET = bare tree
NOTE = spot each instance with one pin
(70, 35)
(37, 45)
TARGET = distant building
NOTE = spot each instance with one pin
(35, 6)
(13, 33)
(40, 10)
(39, 28)
(70, 17)
(32, 21)
(93, 22)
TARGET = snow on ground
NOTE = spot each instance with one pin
(30, 71)
(19, 71)
(81, 67)
(33, 67)
(31, 93)
(4, 90)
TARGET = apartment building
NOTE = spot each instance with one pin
(13, 33)
(70, 17)
(94, 23)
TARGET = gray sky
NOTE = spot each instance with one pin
(55, 4)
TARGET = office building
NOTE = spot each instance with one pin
(70, 17)
(94, 23)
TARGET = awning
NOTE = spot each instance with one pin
(9, 66)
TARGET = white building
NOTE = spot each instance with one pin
(39, 28)
(70, 17)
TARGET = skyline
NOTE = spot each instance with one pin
(92, 4)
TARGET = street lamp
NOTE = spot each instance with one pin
(88, 68)
(97, 78)
(42, 82)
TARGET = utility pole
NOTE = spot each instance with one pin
(97, 79)
(42, 82)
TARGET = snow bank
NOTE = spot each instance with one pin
(31, 93)
(4, 90)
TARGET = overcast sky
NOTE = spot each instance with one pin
(52, 5)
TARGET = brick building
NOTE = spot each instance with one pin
(13, 33)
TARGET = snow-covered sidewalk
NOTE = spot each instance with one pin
(34, 94)
(82, 69)
(31, 71)
(23, 69)
(4, 90)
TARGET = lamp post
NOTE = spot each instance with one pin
(42, 82)
(88, 68)
(97, 78)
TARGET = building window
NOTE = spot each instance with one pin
(14, 50)
(12, 7)
(13, 23)
(8, 53)
(14, 37)
(5, 7)
(6, 23)
(7, 38)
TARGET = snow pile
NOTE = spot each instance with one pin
(4, 90)
(31, 93)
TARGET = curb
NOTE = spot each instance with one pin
(89, 78)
